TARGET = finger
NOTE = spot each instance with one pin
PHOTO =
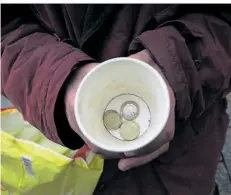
(128, 163)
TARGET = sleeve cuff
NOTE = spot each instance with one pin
(163, 49)
(55, 122)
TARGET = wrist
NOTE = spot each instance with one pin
(71, 87)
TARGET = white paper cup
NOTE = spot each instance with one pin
(113, 78)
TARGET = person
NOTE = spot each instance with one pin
(47, 50)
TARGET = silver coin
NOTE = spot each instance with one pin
(129, 110)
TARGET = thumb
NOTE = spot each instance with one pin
(128, 163)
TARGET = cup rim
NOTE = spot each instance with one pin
(141, 144)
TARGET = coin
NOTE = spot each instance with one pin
(130, 110)
(112, 120)
(129, 130)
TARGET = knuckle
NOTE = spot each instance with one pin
(169, 134)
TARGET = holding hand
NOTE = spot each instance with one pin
(128, 163)
(124, 163)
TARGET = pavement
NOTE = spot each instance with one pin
(223, 175)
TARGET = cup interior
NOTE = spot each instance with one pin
(113, 78)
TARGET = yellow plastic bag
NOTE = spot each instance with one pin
(33, 165)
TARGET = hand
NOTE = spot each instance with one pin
(128, 163)
(69, 100)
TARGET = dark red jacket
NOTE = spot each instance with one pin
(43, 44)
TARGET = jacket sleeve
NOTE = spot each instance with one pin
(35, 65)
(194, 52)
